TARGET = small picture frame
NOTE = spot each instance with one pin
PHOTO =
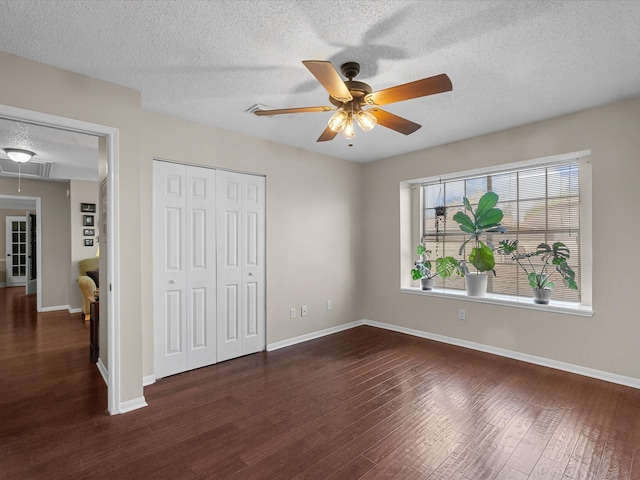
(88, 242)
(89, 232)
(87, 220)
(88, 207)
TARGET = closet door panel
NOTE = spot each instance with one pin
(253, 267)
(201, 267)
(229, 272)
(170, 353)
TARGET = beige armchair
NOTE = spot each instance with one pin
(86, 283)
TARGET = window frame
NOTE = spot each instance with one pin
(412, 224)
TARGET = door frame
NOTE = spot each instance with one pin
(37, 201)
(111, 136)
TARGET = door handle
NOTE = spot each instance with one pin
(172, 282)
(251, 274)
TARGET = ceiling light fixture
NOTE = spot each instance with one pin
(19, 156)
(343, 120)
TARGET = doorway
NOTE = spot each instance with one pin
(30, 212)
(110, 136)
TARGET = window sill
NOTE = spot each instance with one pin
(555, 306)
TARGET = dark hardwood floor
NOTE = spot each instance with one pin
(361, 404)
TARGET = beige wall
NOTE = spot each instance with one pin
(314, 211)
(320, 209)
(81, 191)
(56, 250)
(607, 341)
(41, 88)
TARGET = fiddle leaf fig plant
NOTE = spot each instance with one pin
(557, 255)
(477, 224)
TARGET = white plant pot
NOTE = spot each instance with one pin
(426, 283)
(476, 284)
(541, 295)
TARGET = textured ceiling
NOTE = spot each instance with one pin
(510, 62)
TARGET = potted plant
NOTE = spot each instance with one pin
(477, 224)
(423, 268)
(540, 279)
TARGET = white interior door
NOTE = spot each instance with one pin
(184, 268)
(241, 271)
(32, 264)
(16, 251)
(170, 274)
(201, 267)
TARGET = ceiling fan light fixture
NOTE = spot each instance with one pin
(19, 155)
(338, 121)
(366, 120)
(349, 130)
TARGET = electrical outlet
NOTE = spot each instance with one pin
(303, 311)
(329, 304)
(462, 315)
(292, 313)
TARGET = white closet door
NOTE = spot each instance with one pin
(184, 268)
(241, 272)
(253, 264)
(170, 273)
(201, 267)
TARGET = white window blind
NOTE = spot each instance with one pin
(540, 204)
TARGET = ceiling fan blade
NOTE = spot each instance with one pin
(327, 135)
(330, 79)
(280, 111)
(419, 88)
(394, 122)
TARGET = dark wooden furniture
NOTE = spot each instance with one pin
(94, 332)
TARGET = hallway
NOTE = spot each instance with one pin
(46, 379)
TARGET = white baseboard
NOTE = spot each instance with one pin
(131, 405)
(103, 371)
(75, 310)
(545, 362)
(56, 308)
(148, 380)
(310, 336)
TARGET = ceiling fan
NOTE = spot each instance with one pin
(350, 96)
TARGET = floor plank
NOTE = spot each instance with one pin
(361, 404)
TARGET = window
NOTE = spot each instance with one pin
(541, 203)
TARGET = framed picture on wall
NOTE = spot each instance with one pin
(87, 220)
(88, 242)
(89, 232)
(88, 207)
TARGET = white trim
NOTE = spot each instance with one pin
(75, 310)
(111, 136)
(555, 306)
(131, 405)
(103, 371)
(562, 158)
(56, 308)
(524, 357)
(311, 336)
(148, 380)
